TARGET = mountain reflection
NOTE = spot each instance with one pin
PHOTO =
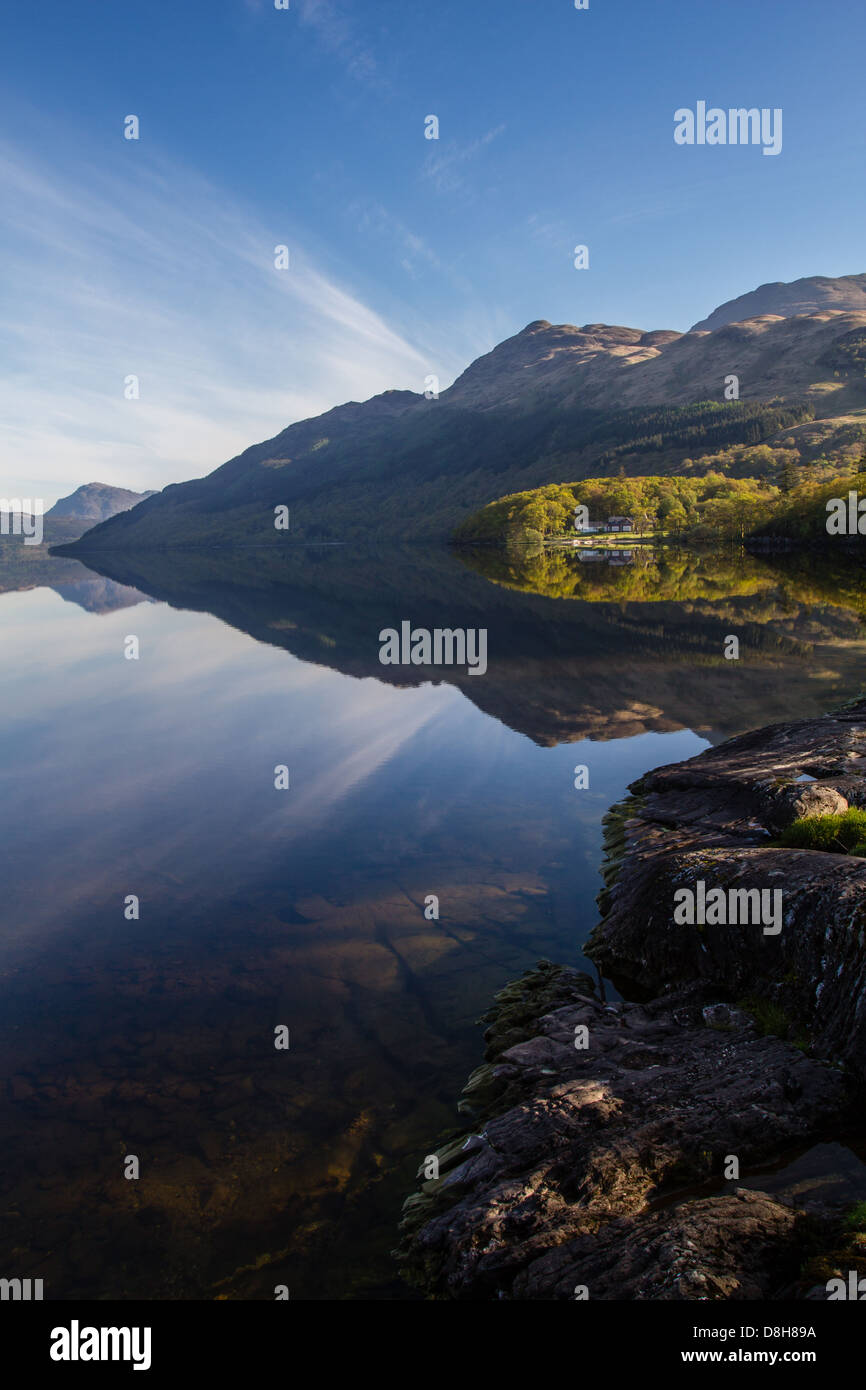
(575, 650)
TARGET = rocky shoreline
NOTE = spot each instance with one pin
(697, 1139)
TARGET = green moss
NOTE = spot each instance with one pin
(855, 1218)
(842, 1247)
(770, 1018)
(773, 1021)
(613, 825)
(516, 1010)
(844, 834)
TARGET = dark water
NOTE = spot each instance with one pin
(155, 1037)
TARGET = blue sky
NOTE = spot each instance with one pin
(408, 256)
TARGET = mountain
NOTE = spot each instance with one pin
(24, 566)
(71, 516)
(96, 502)
(811, 295)
(554, 403)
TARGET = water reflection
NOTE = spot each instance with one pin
(155, 778)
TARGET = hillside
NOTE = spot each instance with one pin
(551, 404)
(785, 501)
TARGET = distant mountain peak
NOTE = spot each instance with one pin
(97, 502)
(814, 294)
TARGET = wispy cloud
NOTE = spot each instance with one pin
(151, 271)
(336, 32)
(446, 168)
(372, 217)
(550, 231)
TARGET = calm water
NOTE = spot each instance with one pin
(305, 907)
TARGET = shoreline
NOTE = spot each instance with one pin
(683, 1143)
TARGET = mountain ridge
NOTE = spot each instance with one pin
(533, 410)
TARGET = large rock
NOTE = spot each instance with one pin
(572, 1147)
(745, 1246)
(712, 820)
